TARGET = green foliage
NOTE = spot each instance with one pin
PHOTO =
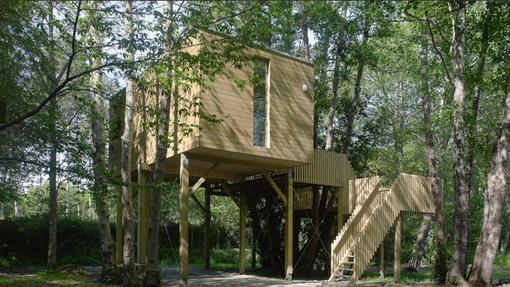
(43, 279)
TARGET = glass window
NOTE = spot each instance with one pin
(260, 103)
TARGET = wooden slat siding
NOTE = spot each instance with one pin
(290, 110)
(327, 168)
(364, 231)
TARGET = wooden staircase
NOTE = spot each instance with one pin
(375, 211)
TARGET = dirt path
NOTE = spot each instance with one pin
(199, 277)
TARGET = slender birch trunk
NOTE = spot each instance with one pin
(52, 174)
(304, 32)
(129, 277)
(414, 263)
(351, 115)
(440, 267)
(153, 277)
(97, 118)
(476, 98)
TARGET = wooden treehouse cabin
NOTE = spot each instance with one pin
(264, 136)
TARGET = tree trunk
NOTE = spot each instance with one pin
(97, 117)
(129, 277)
(304, 32)
(476, 98)
(52, 229)
(414, 263)
(312, 246)
(351, 114)
(334, 97)
(504, 243)
(487, 247)
(440, 268)
(153, 277)
(458, 265)
(52, 174)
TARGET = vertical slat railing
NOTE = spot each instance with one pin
(374, 218)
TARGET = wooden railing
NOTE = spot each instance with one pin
(371, 220)
(346, 237)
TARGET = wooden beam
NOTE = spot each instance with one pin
(202, 179)
(275, 187)
(119, 237)
(289, 227)
(183, 220)
(396, 254)
(242, 232)
(207, 231)
(381, 260)
(143, 215)
(195, 199)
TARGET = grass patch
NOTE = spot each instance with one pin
(425, 276)
(43, 279)
(221, 259)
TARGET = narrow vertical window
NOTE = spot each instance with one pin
(260, 83)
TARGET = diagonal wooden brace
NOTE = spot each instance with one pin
(201, 180)
(275, 187)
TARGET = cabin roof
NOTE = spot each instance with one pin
(260, 47)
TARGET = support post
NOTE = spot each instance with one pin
(396, 255)
(242, 232)
(289, 220)
(119, 232)
(207, 231)
(381, 259)
(340, 207)
(143, 216)
(183, 220)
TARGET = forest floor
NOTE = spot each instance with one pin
(89, 276)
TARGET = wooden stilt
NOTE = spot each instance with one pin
(242, 232)
(396, 261)
(289, 220)
(183, 221)
(381, 259)
(119, 233)
(143, 216)
(207, 231)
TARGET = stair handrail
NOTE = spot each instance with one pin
(351, 229)
(407, 192)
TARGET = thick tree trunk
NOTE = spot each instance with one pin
(334, 97)
(97, 117)
(414, 263)
(153, 277)
(487, 247)
(52, 174)
(458, 265)
(129, 277)
(440, 268)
